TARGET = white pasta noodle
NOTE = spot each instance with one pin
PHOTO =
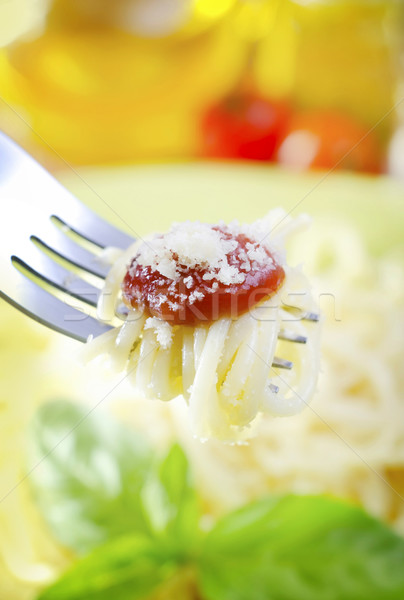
(223, 368)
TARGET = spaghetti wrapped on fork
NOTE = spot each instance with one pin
(209, 312)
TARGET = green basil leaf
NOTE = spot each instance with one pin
(128, 568)
(87, 471)
(301, 548)
(171, 502)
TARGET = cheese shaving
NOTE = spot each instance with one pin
(162, 329)
(199, 246)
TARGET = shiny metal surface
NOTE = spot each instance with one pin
(29, 198)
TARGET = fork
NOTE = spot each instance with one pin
(50, 250)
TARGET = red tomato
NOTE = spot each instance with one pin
(243, 126)
(328, 140)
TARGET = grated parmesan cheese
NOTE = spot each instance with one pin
(162, 329)
(189, 281)
(195, 245)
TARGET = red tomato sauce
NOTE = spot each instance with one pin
(187, 301)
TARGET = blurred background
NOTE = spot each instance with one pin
(125, 101)
(297, 82)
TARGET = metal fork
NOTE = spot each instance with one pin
(39, 218)
(50, 245)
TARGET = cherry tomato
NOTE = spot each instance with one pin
(245, 126)
(328, 140)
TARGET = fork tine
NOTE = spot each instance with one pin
(281, 363)
(291, 336)
(91, 227)
(63, 247)
(16, 242)
(25, 294)
(51, 198)
(311, 316)
(298, 314)
(44, 268)
(48, 310)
